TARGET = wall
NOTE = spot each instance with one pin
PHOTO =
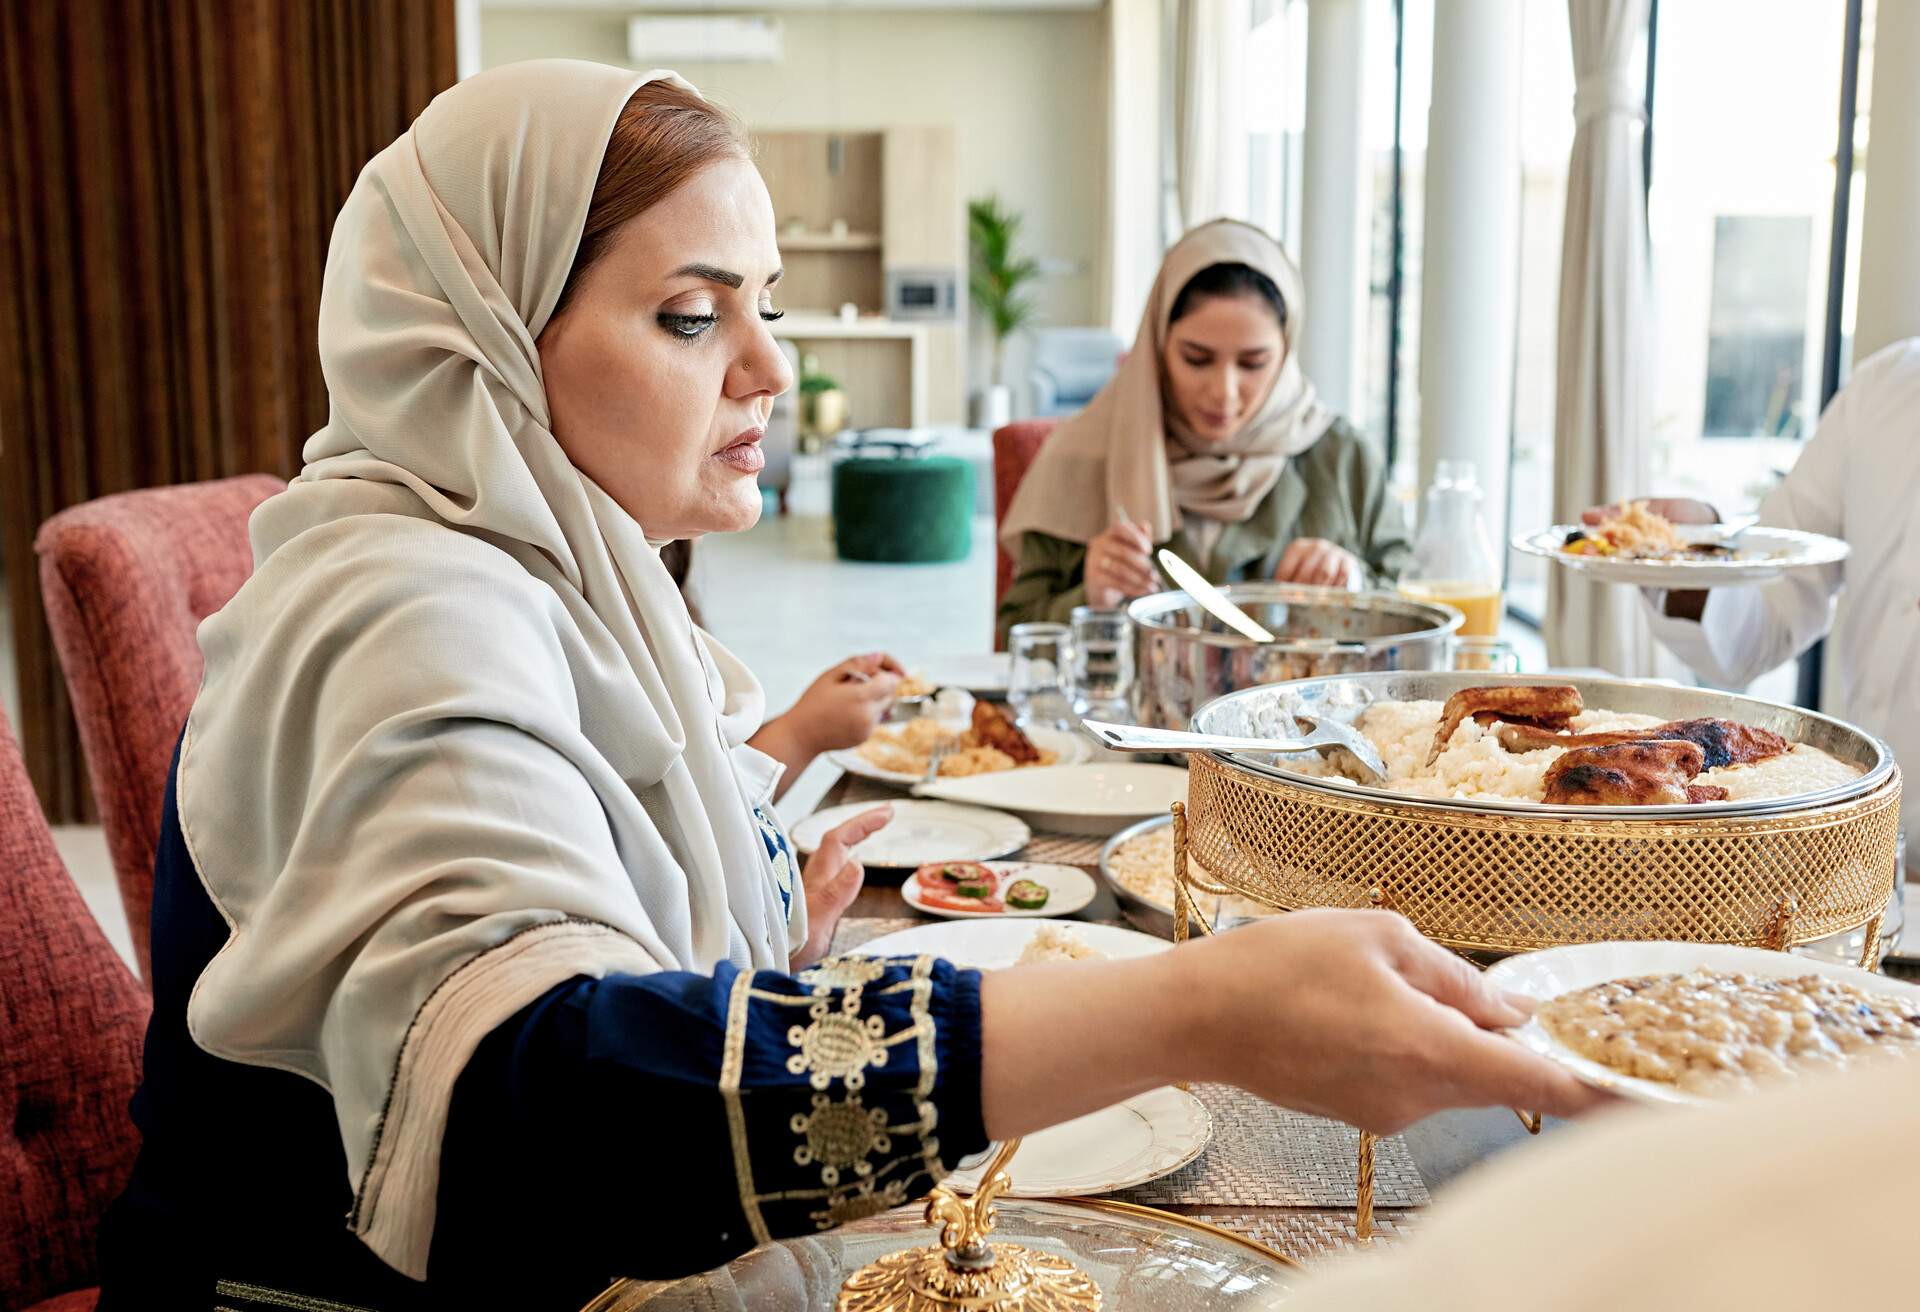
(1021, 90)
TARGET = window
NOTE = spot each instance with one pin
(1741, 198)
(1276, 116)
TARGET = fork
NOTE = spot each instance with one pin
(940, 749)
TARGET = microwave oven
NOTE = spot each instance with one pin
(922, 293)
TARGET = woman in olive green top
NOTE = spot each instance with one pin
(1209, 440)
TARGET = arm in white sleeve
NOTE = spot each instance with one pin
(1744, 632)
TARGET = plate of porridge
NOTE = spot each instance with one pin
(1692, 1024)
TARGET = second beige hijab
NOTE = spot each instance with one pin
(1128, 449)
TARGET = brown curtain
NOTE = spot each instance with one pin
(169, 175)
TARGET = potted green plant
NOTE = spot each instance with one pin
(823, 406)
(1001, 284)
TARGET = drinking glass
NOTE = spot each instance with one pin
(1492, 655)
(1102, 662)
(1038, 680)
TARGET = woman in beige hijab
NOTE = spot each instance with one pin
(482, 972)
(1209, 441)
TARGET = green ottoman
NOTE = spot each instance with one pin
(904, 511)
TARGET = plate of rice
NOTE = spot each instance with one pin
(1641, 549)
(898, 754)
(1137, 864)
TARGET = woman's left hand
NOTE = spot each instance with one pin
(842, 707)
(832, 878)
(1319, 562)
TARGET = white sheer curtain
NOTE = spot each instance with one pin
(1210, 107)
(1602, 387)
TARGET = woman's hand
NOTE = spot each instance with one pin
(843, 706)
(1120, 565)
(832, 878)
(1321, 563)
(1347, 1014)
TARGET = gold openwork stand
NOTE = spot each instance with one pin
(963, 1270)
(1782, 931)
(1185, 910)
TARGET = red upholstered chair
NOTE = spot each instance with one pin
(1014, 448)
(127, 580)
(71, 1020)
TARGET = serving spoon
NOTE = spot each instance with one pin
(1324, 734)
(1212, 598)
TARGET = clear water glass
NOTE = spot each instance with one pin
(1102, 662)
(1039, 680)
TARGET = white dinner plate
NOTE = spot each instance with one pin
(1149, 1135)
(1129, 1143)
(1551, 972)
(1071, 799)
(1068, 890)
(992, 942)
(1069, 748)
(1769, 553)
(984, 674)
(921, 832)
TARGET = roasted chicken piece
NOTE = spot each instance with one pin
(1642, 773)
(1546, 706)
(993, 726)
(1725, 742)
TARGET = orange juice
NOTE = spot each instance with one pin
(1479, 602)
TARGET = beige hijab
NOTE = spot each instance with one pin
(458, 740)
(1128, 450)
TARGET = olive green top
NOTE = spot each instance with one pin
(1336, 489)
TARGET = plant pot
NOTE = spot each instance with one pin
(827, 412)
(993, 406)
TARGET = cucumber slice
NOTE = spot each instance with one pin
(974, 888)
(1028, 895)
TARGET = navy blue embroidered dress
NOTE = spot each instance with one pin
(636, 1125)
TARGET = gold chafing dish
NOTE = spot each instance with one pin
(1510, 877)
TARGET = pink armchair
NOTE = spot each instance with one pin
(127, 580)
(71, 1021)
(1014, 448)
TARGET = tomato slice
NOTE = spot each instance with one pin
(947, 901)
(943, 876)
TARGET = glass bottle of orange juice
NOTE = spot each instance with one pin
(1453, 560)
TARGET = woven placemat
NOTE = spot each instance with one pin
(1066, 849)
(1266, 1156)
(1310, 1235)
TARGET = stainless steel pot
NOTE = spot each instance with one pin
(1184, 658)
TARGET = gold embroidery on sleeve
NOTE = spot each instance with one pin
(732, 1057)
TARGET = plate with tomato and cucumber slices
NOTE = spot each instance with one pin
(977, 890)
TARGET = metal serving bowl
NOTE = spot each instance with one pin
(1184, 657)
(1268, 712)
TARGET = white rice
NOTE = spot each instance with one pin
(1143, 865)
(1475, 766)
(1058, 943)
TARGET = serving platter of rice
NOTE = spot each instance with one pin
(1399, 712)
(1474, 766)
